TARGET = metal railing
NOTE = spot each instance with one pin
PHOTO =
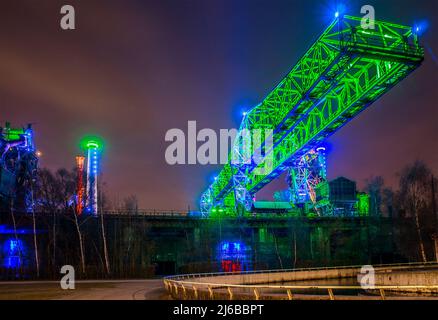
(187, 287)
(149, 213)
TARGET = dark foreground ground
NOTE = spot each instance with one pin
(133, 290)
(85, 290)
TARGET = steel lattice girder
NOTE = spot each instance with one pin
(344, 71)
(305, 175)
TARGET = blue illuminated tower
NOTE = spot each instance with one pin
(93, 148)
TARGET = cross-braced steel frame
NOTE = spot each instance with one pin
(343, 72)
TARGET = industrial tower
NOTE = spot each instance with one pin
(88, 203)
(18, 167)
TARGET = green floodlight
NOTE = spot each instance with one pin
(91, 142)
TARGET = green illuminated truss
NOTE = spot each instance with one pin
(343, 72)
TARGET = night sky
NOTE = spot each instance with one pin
(134, 69)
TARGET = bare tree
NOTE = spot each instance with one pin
(388, 201)
(81, 242)
(277, 251)
(37, 262)
(105, 248)
(414, 197)
(54, 239)
(15, 232)
(374, 187)
(130, 204)
(66, 183)
(55, 192)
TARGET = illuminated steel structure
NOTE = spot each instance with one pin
(18, 167)
(343, 72)
(80, 190)
(93, 153)
(307, 180)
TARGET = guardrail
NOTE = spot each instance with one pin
(190, 286)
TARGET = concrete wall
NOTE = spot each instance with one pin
(276, 277)
(409, 278)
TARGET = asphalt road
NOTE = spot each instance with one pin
(85, 290)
